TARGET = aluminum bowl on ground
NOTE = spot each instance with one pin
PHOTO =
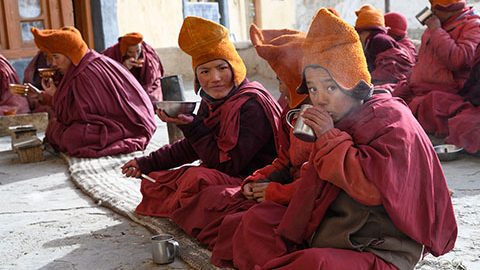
(447, 152)
(174, 108)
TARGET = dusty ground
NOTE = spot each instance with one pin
(47, 223)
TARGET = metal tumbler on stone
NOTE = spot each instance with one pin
(164, 248)
(301, 130)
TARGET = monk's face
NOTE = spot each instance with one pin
(134, 51)
(443, 16)
(325, 93)
(60, 62)
(215, 78)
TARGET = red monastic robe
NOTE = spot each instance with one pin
(445, 60)
(177, 188)
(149, 74)
(394, 153)
(100, 109)
(203, 216)
(9, 101)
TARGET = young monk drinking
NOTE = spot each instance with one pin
(9, 103)
(99, 107)
(233, 134)
(445, 60)
(142, 61)
(372, 194)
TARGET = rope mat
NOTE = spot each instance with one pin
(102, 180)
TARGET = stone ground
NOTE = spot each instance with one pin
(47, 223)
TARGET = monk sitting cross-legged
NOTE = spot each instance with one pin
(142, 61)
(99, 107)
(233, 134)
(372, 194)
(435, 90)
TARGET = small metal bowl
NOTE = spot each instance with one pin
(46, 72)
(447, 152)
(18, 89)
(174, 108)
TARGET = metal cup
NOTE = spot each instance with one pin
(301, 130)
(164, 248)
(423, 15)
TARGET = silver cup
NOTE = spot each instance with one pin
(164, 248)
(301, 130)
(423, 15)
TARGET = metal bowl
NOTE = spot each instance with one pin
(18, 89)
(447, 152)
(46, 72)
(174, 108)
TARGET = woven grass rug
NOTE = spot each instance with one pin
(101, 179)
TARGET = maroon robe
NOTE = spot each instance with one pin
(9, 101)
(100, 109)
(407, 44)
(377, 42)
(149, 74)
(203, 216)
(385, 138)
(232, 138)
(392, 66)
(434, 89)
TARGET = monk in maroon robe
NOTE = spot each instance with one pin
(360, 203)
(37, 101)
(435, 90)
(233, 134)
(387, 61)
(203, 216)
(142, 61)
(99, 107)
(10, 104)
(397, 28)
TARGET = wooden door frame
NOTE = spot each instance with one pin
(82, 11)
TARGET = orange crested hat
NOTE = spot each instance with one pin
(334, 45)
(448, 5)
(369, 17)
(205, 41)
(67, 41)
(282, 49)
(128, 40)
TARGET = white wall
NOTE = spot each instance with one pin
(158, 20)
(306, 9)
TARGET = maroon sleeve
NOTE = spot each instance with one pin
(255, 133)
(377, 44)
(168, 156)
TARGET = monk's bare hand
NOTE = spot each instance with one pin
(131, 169)
(259, 191)
(433, 22)
(248, 191)
(49, 87)
(181, 119)
(318, 119)
(131, 62)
